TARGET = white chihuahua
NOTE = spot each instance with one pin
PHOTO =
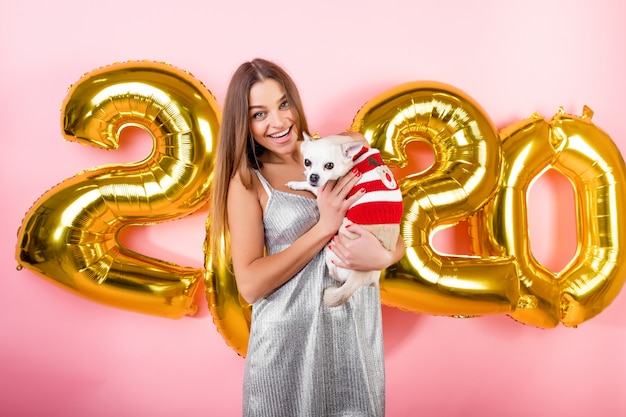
(379, 210)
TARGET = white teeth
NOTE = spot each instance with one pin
(279, 134)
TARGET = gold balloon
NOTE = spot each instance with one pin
(69, 236)
(587, 156)
(232, 315)
(462, 179)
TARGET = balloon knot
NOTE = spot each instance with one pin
(527, 301)
(587, 112)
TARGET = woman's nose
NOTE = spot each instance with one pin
(276, 119)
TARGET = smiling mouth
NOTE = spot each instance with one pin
(281, 135)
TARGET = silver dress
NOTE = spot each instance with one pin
(305, 359)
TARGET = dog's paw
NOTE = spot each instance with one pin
(334, 297)
(294, 185)
(301, 186)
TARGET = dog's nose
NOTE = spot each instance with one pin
(313, 179)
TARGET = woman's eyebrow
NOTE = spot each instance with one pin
(259, 106)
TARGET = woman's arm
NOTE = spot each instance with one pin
(365, 253)
(258, 275)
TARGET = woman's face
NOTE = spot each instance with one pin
(272, 119)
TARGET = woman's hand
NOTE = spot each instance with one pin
(332, 201)
(365, 252)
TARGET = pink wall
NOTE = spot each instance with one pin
(64, 355)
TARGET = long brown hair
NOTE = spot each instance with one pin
(236, 150)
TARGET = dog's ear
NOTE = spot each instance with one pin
(350, 149)
(306, 137)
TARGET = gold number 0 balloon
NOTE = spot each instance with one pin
(587, 156)
(462, 179)
(69, 236)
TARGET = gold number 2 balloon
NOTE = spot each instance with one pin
(464, 176)
(69, 235)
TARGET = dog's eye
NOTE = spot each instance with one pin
(329, 165)
(307, 162)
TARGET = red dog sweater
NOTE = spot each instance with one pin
(382, 201)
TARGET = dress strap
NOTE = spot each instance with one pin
(264, 182)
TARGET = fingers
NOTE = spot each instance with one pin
(333, 201)
(360, 250)
(348, 181)
(343, 254)
(342, 187)
(353, 198)
(353, 231)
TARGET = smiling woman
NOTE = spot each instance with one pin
(300, 353)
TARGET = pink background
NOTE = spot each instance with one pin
(62, 355)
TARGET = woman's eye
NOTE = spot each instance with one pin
(258, 115)
(284, 104)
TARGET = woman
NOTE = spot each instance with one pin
(303, 358)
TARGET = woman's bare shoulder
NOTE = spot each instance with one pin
(243, 197)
